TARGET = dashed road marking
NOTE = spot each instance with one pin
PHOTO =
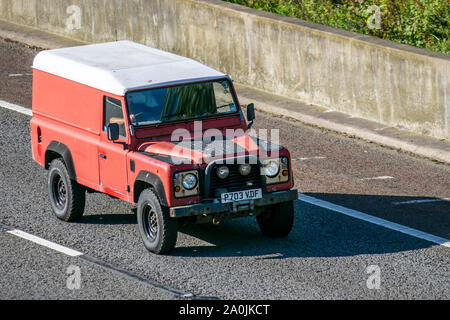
(45, 243)
(377, 178)
(15, 107)
(309, 158)
(398, 203)
(19, 74)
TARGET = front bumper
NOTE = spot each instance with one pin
(214, 207)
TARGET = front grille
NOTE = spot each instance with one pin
(235, 181)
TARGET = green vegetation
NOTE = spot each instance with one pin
(420, 23)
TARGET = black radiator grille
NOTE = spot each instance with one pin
(235, 181)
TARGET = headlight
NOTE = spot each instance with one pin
(223, 172)
(186, 184)
(276, 170)
(244, 169)
(271, 168)
(189, 181)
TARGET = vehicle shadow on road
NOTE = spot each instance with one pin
(319, 232)
(109, 219)
(98, 211)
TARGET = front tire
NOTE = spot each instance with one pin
(277, 220)
(67, 197)
(157, 229)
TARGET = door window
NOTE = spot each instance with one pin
(112, 113)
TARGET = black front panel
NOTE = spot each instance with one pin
(235, 181)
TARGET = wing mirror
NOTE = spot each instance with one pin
(250, 114)
(113, 131)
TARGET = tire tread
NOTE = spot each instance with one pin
(76, 194)
(168, 233)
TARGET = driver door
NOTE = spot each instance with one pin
(112, 156)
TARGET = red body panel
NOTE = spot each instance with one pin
(58, 109)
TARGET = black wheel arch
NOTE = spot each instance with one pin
(57, 149)
(146, 179)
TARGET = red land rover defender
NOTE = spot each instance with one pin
(156, 129)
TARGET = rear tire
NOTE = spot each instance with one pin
(157, 229)
(67, 197)
(277, 220)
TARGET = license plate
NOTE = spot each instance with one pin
(241, 195)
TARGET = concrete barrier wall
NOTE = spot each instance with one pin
(363, 76)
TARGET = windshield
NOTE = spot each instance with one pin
(180, 102)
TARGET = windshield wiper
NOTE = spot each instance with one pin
(171, 116)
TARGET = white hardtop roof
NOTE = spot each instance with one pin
(121, 66)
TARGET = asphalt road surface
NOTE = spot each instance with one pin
(328, 255)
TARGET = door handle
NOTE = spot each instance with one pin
(101, 155)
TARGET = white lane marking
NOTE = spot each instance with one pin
(309, 158)
(15, 107)
(397, 203)
(19, 74)
(378, 178)
(377, 221)
(45, 243)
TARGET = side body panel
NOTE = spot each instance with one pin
(70, 114)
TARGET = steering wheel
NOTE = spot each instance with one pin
(136, 117)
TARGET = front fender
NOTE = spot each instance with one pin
(143, 180)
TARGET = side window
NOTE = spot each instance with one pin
(112, 113)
